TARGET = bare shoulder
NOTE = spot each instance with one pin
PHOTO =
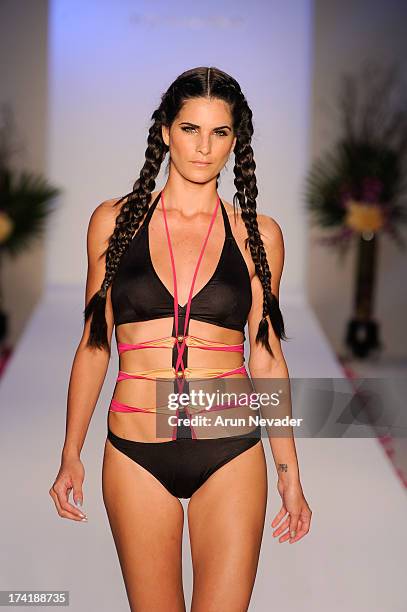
(270, 230)
(101, 224)
(272, 237)
(103, 220)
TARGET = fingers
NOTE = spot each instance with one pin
(59, 493)
(303, 525)
(301, 532)
(77, 493)
(297, 525)
(282, 528)
(279, 516)
(294, 519)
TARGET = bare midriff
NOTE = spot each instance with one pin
(138, 392)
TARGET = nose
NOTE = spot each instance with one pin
(204, 145)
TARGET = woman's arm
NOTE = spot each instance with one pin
(90, 364)
(261, 364)
(264, 367)
(87, 374)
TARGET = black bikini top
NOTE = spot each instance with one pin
(138, 294)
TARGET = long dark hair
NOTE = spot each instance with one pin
(195, 83)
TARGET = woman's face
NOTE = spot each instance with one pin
(202, 132)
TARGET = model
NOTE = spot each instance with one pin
(178, 273)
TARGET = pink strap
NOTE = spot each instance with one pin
(237, 348)
(123, 346)
(116, 406)
(181, 347)
(127, 375)
(239, 370)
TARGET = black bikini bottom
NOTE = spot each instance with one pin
(183, 465)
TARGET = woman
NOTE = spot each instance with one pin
(139, 281)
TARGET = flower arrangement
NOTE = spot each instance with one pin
(358, 188)
(26, 199)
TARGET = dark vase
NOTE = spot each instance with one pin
(3, 315)
(3, 327)
(362, 334)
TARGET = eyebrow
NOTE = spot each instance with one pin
(221, 127)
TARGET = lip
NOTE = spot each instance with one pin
(199, 163)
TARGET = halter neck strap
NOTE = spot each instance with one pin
(182, 346)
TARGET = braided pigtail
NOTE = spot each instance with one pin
(246, 186)
(131, 213)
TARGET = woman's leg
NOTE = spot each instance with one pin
(146, 523)
(226, 521)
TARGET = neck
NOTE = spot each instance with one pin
(190, 198)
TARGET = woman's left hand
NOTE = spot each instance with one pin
(299, 519)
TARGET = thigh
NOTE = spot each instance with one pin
(226, 521)
(146, 523)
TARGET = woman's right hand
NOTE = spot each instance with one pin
(70, 476)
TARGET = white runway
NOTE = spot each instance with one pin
(353, 559)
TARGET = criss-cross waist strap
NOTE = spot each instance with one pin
(116, 406)
(203, 343)
(147, 374)
(171, 373)
(191, 341)
(167, 341)
(239, 370)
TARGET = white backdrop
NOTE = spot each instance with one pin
(109, 63)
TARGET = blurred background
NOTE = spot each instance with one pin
(326, 81)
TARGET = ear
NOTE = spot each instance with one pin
(165, 134)
(233, 144)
